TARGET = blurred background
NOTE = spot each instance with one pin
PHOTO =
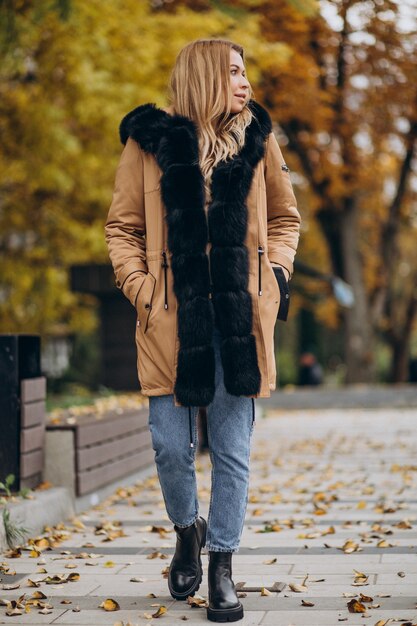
(339, 80)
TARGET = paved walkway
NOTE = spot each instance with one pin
(332, 515)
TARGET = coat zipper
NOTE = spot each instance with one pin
(165, 266)
(260, 253)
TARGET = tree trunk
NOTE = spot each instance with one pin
(399, 340)
(399, 360)
(341, 231)
(359, 340)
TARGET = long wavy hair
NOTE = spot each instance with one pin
(199, 89)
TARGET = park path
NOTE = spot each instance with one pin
(332, 514)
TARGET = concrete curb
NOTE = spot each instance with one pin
(57, 504)
(349, 397)
(48, 507)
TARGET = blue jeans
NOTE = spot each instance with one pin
(230, 423)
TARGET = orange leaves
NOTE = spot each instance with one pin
(355, 606)
(110, 530)
(270, 528)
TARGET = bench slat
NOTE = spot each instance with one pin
(89, 480)
(105, 453)
(108, 428)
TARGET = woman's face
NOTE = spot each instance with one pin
(239, 84)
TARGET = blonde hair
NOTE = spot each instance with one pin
(200, 90)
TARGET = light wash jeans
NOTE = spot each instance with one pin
(230, 423)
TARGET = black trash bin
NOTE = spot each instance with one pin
(22, 409)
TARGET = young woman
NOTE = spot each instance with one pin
(202, 210)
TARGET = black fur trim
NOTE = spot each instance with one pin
(233, 311)
(194, 385)
(145, 124)
(237, 354)
(174, 142)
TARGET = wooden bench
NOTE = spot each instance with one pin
(97, 450)
(22, 409)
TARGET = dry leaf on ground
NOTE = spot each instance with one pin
(265, 592)
(298, 588)
(161, 610)
(355, 606)
(197, 601)
(110, 605)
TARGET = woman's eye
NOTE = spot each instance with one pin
(235, 71)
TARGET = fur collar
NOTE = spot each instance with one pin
(147, 124)
(206, 293)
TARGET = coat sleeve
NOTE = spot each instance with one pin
(125, 227)
(282, 214)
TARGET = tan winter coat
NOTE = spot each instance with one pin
(136, 234)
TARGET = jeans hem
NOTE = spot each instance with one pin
(185, 525)
(217, 549)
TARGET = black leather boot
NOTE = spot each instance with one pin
(224, 605)
(186, 571)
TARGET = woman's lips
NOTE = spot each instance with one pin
(241, 97)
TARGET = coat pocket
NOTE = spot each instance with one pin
(143, 302)
(284, 293)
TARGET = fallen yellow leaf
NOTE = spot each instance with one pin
(110, 605)
(160, 611)
(265, 592)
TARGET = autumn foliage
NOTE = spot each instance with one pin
(339, 80)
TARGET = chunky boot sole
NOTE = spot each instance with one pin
(196, 585)
(225, 615)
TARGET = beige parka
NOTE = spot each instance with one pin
(137, 235)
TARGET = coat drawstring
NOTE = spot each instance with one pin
(191, 428)
(165, 266)
(260, 253)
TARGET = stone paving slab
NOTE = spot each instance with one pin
(73, 589)
(194, 616)
(309, 617)
(33, 618)
(348, 463)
